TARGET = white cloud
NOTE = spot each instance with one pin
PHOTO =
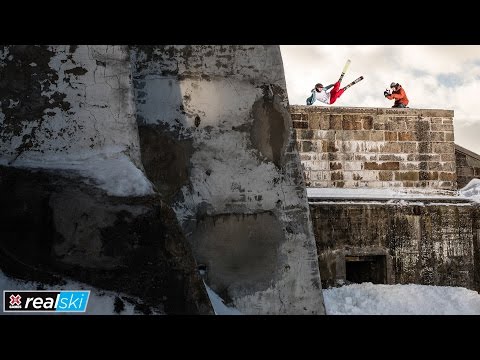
(434, 77)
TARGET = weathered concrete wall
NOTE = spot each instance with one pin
(53, 225)
(468, 165)
(216, 140)
(423, 242)
(70, 109)
(375, 148)
(68, 103)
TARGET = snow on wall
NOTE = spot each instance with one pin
(71, 107)
(228, 103)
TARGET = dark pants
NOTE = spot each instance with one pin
(400, 105)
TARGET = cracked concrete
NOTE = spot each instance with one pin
(66, 107)
(216, 142)
(242, 202)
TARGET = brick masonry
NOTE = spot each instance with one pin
(375, 147)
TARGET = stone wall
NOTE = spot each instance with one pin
(217, 142)
(468, 165)
(75, 200)
(375, 147)
(429, 243)
(66, 104)
(202, 130)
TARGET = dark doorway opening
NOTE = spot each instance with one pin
(366, 269)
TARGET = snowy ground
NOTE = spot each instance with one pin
(370, 299)
(100, 302)
(355, 299)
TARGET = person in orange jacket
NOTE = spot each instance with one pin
(398, 94)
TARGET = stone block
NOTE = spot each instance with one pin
(447, 176)
(335, 165)
(361, 135)
(392, 147)
(367, 122)
(428, 175)
(447, 157)
(390, 165)
(391, 136)
(408, 165)
(449, 136)
(377, 135)
(336, 175)
(406, 176)
(300, 125)
(385, 175)
(353, 165)
(307, 146)
(335, 122)
(437, 136)
(406, 136)
(443, 147)
(352, 122)
(409, 147)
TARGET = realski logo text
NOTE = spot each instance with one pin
(45, 300)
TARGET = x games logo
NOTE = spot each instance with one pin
(15, 302)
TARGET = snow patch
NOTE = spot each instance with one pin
(383, 193)
(370, 299)
(471, 190)
(110, 170)
(100, 302)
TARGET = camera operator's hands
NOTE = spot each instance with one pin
(386, 93)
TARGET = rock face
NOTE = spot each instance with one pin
(70, 102)
(52, 223)
(100, 145)
(216, 140)
(85, 209)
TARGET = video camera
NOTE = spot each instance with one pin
(386, 93)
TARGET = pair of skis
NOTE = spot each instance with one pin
(345, 68)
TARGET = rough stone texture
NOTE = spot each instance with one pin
(240, 196)
(53, 225)
(468, 166)
(423, 242)
(68, 107)
(366, 142)
(66, 101)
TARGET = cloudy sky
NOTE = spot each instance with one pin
(433, 76)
